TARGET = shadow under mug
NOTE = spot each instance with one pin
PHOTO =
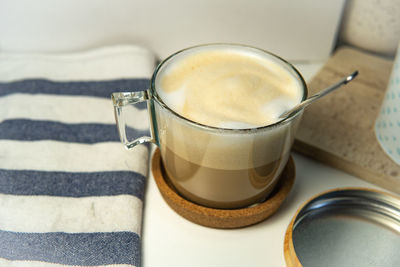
(211, 166)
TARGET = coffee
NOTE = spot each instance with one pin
(221, 188)
(228, 88)
(240, 90)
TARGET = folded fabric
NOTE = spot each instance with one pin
(70, 194)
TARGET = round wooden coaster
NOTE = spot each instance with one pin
(223, 218)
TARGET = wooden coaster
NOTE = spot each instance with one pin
(224, 218)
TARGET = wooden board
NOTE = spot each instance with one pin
(339, 128)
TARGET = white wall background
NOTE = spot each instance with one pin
(296, 30)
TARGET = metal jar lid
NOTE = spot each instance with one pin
(346, 227)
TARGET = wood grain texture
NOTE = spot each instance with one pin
(339, 128)
(223, 218)
(289, 252)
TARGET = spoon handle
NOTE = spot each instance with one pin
(320, 94)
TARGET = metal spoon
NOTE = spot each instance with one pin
(326, 91)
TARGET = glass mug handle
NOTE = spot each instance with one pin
(120, 100)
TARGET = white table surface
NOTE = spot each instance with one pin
(170, 240)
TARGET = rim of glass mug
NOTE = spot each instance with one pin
(295, 73)
(121, 99)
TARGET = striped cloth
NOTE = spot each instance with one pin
(70, 194)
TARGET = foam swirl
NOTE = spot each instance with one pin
(228, 88)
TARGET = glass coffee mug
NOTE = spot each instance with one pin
(212, 166)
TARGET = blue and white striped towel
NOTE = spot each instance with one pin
(70, 194)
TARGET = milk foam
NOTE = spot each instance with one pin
(228, 88)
